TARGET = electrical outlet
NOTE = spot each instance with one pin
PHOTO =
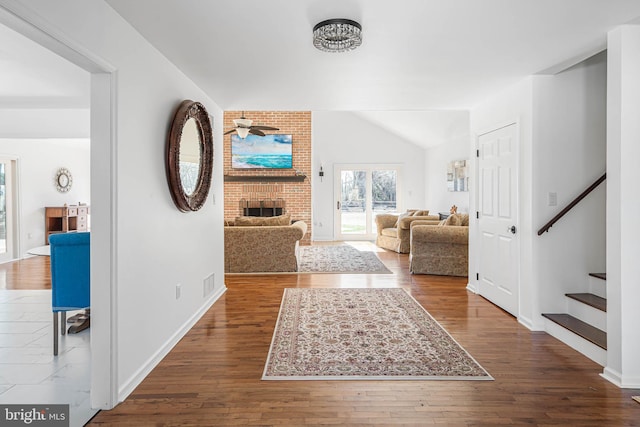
(178, 291)
(552, 199)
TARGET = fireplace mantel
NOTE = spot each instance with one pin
(264, 178)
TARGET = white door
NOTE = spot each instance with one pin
(498, 228)
(362, 192)
(6, 210)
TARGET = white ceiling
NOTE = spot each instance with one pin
(421, 65)
(415, 55)
(34, 77)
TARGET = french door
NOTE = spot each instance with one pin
(6, 209)
(362, 192)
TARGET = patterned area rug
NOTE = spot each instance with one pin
(363, 334)
(339, 259)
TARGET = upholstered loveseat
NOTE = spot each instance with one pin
(394, 231)
(441, 249)
(262, 248)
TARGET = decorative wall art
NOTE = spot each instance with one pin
(63, 180)
(262, 152)
(457, 179)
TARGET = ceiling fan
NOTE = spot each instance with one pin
(243, 127)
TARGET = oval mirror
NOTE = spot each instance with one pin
(190, 156)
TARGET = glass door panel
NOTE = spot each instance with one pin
(6, 197)
(383, 193)
(364, 191)
(353, 193)
(3, 209)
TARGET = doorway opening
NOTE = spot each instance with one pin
(102, 107)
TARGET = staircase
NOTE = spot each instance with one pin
(584, 325)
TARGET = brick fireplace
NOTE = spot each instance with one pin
(262, 200)
(268, 192)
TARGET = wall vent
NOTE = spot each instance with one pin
(208, 285)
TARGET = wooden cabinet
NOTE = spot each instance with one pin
(64, 219)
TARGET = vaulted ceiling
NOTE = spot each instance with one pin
(415, 55)
(421, 65)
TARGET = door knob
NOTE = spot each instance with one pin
(512, 229)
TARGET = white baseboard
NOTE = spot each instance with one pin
(526, 322)
(472, 287)
(620, 380)
(135, 380)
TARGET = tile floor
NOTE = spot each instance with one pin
(29, 373)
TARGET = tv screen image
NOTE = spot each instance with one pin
(261, 152)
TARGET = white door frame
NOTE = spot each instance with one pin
(12, 203)
(104, 349)
(474, 282)
(368, 168)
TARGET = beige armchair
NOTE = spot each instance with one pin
(394, 231)
(441, 249)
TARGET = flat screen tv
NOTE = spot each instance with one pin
(261, 152)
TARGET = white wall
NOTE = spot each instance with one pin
(38, 161)
(345, 138)
(155, 246)
(623, 204)
(569, 155)
(438, 198)
(561, 149)
(512, 105)
(51, 122)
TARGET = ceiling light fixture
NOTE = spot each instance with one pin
(337, 35)
(243, 127)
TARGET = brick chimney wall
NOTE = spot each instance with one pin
(297, 195)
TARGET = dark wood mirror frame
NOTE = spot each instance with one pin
(190, 202)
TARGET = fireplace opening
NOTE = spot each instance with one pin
(263, 208)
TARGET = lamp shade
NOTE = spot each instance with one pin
(243, 132)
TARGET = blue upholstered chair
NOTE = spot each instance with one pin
(69, 277)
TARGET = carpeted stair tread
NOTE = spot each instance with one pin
(602, 276)
(577, 326)
(591, 300)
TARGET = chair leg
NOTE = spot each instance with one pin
(64, 322)
(55, 333)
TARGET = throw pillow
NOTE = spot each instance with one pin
(454, 220)
(402, 215)
(421, 213)
(282, 219)
(262, 221)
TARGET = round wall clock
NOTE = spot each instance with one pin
(63, 180)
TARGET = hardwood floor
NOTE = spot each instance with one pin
(30, 273)
(212, 377)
